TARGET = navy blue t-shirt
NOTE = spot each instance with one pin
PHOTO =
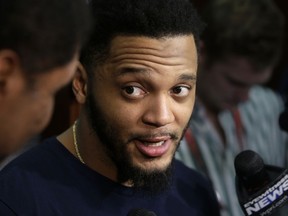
(49, 181)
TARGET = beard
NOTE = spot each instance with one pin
(150, 182)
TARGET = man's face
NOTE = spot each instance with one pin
(141, 100)
(225, 84)
(27, 107)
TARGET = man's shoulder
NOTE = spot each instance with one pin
(262, 94)
(262, 101)
(191, 177)
(30, 175)
(38, 159)
(195, 188)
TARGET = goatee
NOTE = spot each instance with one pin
(148, 182)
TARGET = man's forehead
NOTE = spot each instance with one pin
(172, 45)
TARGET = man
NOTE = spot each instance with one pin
(40, 42)
(240, 47)
(137, 88)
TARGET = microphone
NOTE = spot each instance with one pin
(262, 189)
(140, 212)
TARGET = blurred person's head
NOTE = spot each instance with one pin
(40, 41)
(240, 48)
(137, 86)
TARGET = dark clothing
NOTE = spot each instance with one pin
(49, 181)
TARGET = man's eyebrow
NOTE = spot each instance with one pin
(187, 77)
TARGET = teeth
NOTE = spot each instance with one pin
(154, 144)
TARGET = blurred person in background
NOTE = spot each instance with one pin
(233, 110)
(40, 41)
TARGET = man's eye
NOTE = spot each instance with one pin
(133, 91)
(181, 91)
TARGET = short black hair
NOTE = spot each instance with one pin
(151, 18)
(44, 33)
(247, 28)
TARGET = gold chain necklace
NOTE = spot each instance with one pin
(75, 143)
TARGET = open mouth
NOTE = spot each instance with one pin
(154, 144)
(153, 148)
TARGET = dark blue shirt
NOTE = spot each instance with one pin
(49, 181)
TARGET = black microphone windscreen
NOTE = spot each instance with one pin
(141, 212)
(261, 189)
(248, 163)
(250, 169)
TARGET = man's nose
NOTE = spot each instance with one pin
(159, 111)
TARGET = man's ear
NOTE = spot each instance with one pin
(9, 70)
(79, 84)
